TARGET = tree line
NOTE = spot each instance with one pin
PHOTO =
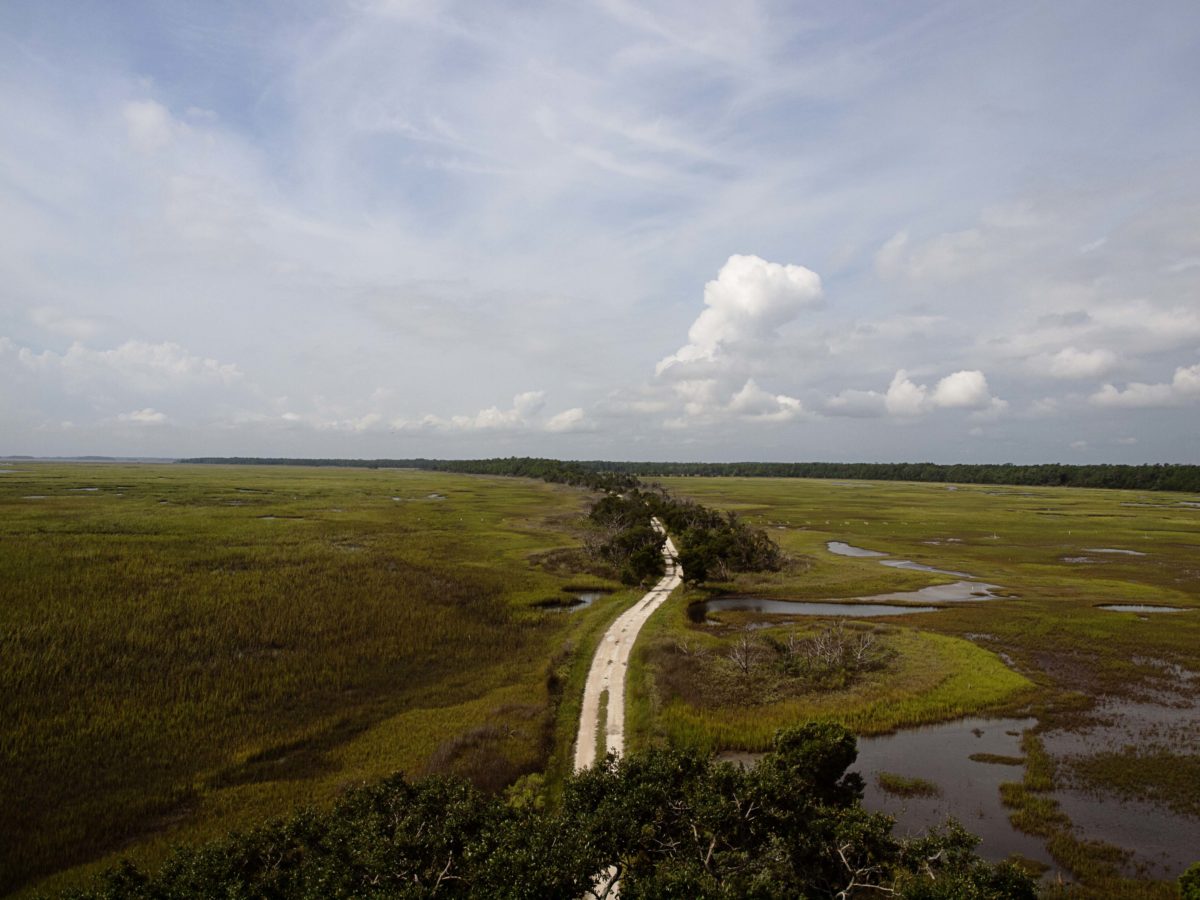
(616, 475)
(666, 823)
(1157, 477)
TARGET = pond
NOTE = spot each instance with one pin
(920, 567)
(969, 789)
(955, 592)
(571, 602)
(840, 548)
(698, 612)
(897, 603)
(843, 549)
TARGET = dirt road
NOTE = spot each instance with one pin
(609, 666)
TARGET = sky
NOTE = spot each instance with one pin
(859, 231)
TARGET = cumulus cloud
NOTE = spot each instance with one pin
(749, 300)
(752, 402)
(905, 399)
(1072, 363)
(963, 390)
(705, 401)
(1183, 388)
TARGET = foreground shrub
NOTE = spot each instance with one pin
(668, 823)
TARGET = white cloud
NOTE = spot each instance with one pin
(749, 300)
(1186, 382)
(699, 395)
(904, 398)
(147, 416)
(136, 365)
(967, 389)
(525, 406)
(1183, 388)
(1072, 363)
(1135, 396)
(752, 402)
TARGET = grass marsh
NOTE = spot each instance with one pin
(1041, 645)
(185, 649)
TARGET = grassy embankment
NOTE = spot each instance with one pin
(185, 650)
(1048, 625)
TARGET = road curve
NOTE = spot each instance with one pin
(610, 665)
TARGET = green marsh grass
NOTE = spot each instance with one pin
(188, 649)
(902, 786)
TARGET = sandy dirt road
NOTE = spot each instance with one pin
(610, 664)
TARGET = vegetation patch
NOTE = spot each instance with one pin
(997, 759)
(734, 690)
(711, 544)
(900, 786)
(665, 823)
(178, 668)
(1156, 776)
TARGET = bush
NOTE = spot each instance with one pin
(669, 822)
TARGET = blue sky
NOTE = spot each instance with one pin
(860, 231)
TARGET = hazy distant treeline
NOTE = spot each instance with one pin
(594, 475)
(606, 474)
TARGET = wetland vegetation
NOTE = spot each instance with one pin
(1038, 644)
(188, 649)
